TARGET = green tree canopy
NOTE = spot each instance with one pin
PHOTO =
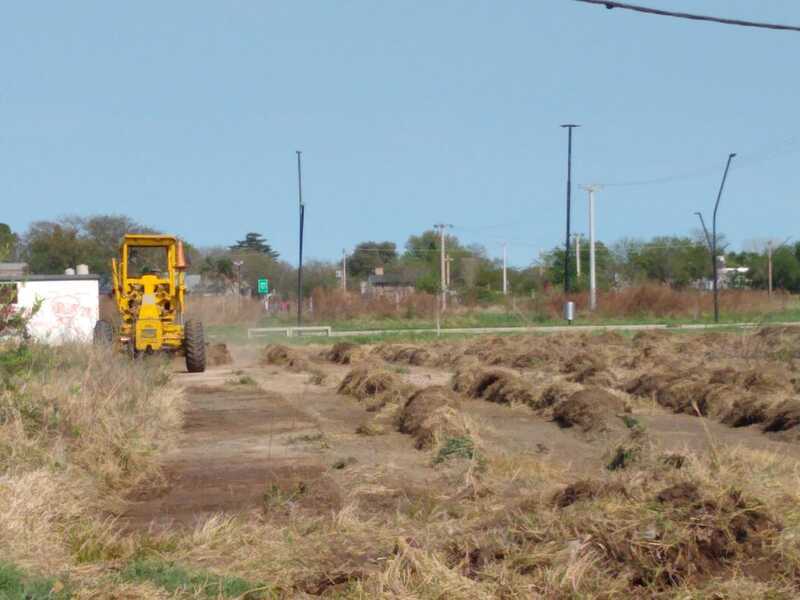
(8, 243)
(367, 256)
(52, 246)
(255, 242)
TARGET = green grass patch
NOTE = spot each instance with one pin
(176, 579)
(16, 585)
(456, 447)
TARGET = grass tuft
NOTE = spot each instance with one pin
(176, 579)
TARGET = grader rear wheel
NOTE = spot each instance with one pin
(195, 347)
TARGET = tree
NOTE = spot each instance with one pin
(672, 260)
(367, 256)
(218, 269)
(255, 242)
(8, 242)
(52, 246)
(554, 264)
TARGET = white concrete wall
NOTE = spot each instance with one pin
(69, 309)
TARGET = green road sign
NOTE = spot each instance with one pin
(263, 286)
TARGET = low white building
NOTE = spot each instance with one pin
(70, 305)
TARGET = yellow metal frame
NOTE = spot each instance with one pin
(151, 307)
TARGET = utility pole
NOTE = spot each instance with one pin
(448, 262)
(505, 269)
(344, 270)
(714, 238)
(769, 267)
(300, 262)
(569, 127)
(443, 262)
(592, 265)
(578, 255)
(238, 264)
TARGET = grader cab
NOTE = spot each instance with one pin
(149, 292)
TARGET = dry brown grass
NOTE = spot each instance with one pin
(79, 427)
(652, 300)
(335, 305)
(718, 524)
(224, 310)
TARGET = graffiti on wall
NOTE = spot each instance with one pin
(65, 317)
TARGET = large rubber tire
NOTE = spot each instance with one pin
(195, 347)
(103, 333)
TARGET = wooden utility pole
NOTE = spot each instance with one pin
(443, 261)
(344, 269)
(505, 269)
(769, 267)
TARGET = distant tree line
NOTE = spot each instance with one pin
(675, 261)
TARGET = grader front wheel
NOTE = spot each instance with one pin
(195, 347)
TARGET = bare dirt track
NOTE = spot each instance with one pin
(535, 467)
(254, 431)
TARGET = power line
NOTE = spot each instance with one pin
(693, 17)
(763, 154)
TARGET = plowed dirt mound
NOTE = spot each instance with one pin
(345, 353)
(502, 387)
(587, 490)
(648, 384)
(584, 361)
(589, 410)
(430, 414)
(218, 355)
(783, 416)
(412, 355)
(708, 533)
(366, 381)
(278, 354)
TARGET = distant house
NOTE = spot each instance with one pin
(387, 285)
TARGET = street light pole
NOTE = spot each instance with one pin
(569, 127)
(300, 262)
(714, 238)
(705, 230)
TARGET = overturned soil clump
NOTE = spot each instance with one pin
(783, 416)
(278, 354)
(431, 414)
(218, 355)
(500, 386)
(412, 355)
(365, 381)
(589, 410)
(587, 490)
(345, 353)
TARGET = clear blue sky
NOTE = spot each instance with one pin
(186, 115)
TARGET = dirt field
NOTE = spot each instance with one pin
(445, 452)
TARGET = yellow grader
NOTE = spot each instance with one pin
(149, 291)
